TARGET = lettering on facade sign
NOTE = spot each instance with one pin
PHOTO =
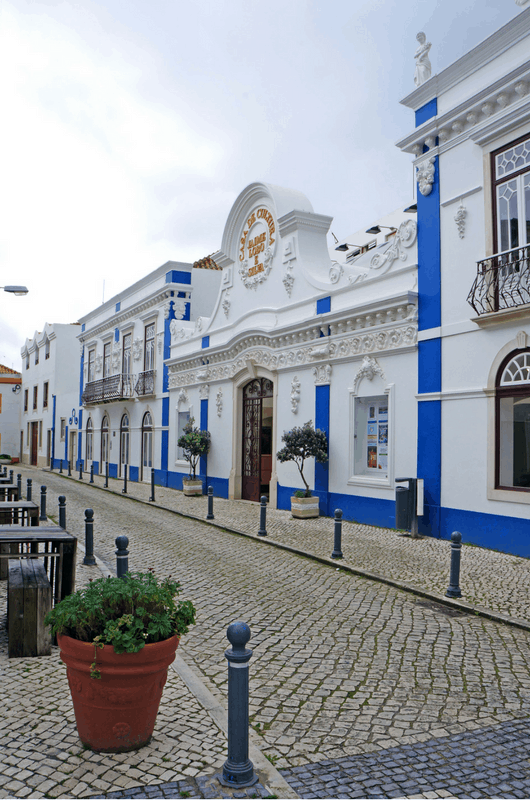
(256, 247)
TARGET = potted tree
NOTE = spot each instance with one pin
(301, 444)
(118, 637)
(195, 443)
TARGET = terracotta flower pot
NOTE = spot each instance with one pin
(116, 712)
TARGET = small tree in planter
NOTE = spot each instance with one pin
(195, 443)
(301, 444)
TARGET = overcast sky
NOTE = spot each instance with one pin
(130, 127)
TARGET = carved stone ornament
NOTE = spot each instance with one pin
(425, 176)
(289, 252)
(322, 374)
(137, 349)
(116, 355)
(487, 109)
(288, 281)
(160, 341)
(335, 273)
(457, 126)
(430, 141)
(368, 369)
(443, 135)
(521, 89)
(295, 394)
(183, 397)
(404, 238)
(503, 100)
(522, 340)
(319, 352)
(219, 402)
(166, 310)
(204, 391)
(257, 246)
(179, 308)
(423, 65)
(226, 304)
(460, 219)
(472, 118)
(417, 149)
(98, 362)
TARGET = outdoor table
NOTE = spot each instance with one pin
(8, 491)
(5, 479)
(55, 546)
(19, 512)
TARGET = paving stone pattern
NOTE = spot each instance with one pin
(496, 581)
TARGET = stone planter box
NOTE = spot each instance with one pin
(304, 507)
(192, 488)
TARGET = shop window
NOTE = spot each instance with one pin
(513, 423)
(371, 439)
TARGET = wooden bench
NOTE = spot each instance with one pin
(29, 598)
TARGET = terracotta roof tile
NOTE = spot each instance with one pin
(8, 371)
(206, 263)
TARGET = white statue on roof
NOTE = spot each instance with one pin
(423, 65)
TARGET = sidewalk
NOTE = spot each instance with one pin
(495, 585)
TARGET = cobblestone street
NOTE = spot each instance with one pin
(344, 668)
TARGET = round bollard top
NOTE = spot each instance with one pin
(238, 634)
(456, 537)
(338, 513)
(121, 542)
(263, 500)
(43, 488)
(89, 513)
(62, 499)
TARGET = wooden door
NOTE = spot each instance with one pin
(34, 443)
(254, 434)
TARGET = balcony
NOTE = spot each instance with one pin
(106, 390)
(502, 283)
(146, 383)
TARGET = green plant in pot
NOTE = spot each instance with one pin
(118, 637)
(194, 443)
(299, 445)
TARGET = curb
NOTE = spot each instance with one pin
(456, 605)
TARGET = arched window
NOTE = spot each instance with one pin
(147, 446)
(89, 440)
(104, 442)
(124, 442)
(513, 422)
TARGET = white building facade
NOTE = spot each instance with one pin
(124, 420)
(472, 157)
(50, 396)
(297, 335)
(10, 405)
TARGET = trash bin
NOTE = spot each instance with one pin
(405, 503)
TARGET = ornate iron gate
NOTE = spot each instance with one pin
(253, 394)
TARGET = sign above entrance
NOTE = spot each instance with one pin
(256, 247)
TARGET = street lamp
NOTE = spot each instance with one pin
(19, 291)
(377, 229)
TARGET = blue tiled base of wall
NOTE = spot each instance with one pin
(507, 534)
(113, 470)
(361, 509)
(96, 467)
(134, 474)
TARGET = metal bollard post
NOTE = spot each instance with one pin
(453, 590)
(152, 498)
(19, 485)
(106, 474)
(69, 468)
(89, 538)
(337, 541)
(238, 769)
(210, 515)
(28, 489)
(11, 474)
(43, 516)
(124, 490)
(263, 517)
(122, 556)
(80, 470)
(92, 473)
(61, 467)
(62, 512)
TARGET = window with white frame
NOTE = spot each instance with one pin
(89, 440)
(511, 184)
(91, 371)
(183, 418)
(149, 348)
(371, 440)
(63, 428)
(127, 354)
(107, 356)
(513, 423)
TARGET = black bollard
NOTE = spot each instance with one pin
(69, 468)
(28, 489)
(11, 475)
(61, 467)
(19, 485)
(263, 517)
(238, 769)
(453, 589)
(80, 470)
(106, 475)
(62, 512)
(122, 556)
(89, 538)
(337, 542)
(43, 516)
(124, 490)
(152, 498)
(91, 473)
(210, 515)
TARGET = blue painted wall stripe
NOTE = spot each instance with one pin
(203, 467)
(429, 277)
(165, 411)
(81, 376)
(165, 450)
(323, 305)
(430, 366)
(178, 276)
(322, 422)
(427, 111)
(53, 426)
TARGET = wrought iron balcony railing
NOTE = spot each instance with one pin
(114, 387)
(502, 281)
(146, 383)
